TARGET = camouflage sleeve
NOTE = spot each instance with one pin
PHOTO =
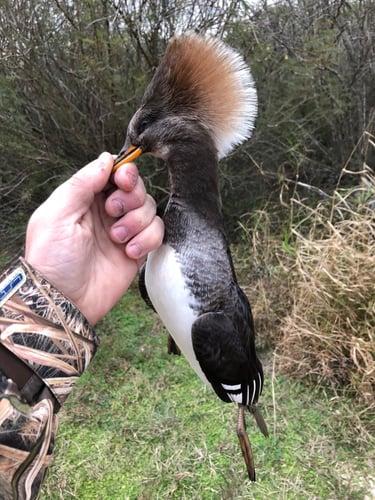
(45, 345)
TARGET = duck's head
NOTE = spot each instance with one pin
(201, 88)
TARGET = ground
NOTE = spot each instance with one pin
(141, 425)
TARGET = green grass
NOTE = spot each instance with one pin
(141, 425)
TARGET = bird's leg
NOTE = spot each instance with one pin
(245, 442)
(254, 410)
(173, 347)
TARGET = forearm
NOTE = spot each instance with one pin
(45, 345)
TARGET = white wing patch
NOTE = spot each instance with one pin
(231, 387)
(244, 394)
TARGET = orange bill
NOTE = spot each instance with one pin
(129, 155)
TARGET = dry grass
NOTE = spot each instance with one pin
(328, 336)
(312, 288)
(261, 273)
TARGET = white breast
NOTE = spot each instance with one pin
(172, 300)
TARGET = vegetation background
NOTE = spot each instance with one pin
(299, 206)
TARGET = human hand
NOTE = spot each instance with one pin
(89, 244)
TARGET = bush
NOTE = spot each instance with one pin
(73, 73)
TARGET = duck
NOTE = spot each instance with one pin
(200, 103)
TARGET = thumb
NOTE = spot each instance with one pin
(76, 195)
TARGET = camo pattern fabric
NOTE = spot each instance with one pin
(46, 331)
(27, 436)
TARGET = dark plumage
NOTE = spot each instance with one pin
(199, 104)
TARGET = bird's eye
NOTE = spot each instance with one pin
(144, 123)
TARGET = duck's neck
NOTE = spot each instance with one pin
(193, 176)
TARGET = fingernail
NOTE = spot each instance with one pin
(118, 207)
(134, 251)
(120, 233)
(133, 179)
